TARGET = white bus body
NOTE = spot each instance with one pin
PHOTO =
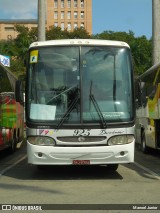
(80, 103)
(148, 109)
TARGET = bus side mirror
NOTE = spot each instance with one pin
(19, 92)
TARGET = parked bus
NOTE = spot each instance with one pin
(11, 112)
(80, 103)
(148, 109)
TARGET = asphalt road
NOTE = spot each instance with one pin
(135, 184)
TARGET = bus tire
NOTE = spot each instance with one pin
(12, 148)
(112, 167)
(144, 147)
(41, 167)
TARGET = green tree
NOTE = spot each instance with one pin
(142, 54)
(24, 38)
(57, 33)
(7, 47)
(79, 33)
(54, 33)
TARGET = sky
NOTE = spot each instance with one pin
(107, 15)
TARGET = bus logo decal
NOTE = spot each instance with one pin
(40, 132)
(45, 132)
(34, 56)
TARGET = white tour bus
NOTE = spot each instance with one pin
(80, 103)
(148, 109)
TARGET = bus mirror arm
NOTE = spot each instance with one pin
(19, 92)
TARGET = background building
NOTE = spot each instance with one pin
(70, 14)
(7, 27)
(67, 14)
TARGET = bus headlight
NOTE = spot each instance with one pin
(41, 141)
(120, 140)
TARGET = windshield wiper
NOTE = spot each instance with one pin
(71, 107)
(103, 121)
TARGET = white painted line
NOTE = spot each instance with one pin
(155, 175)
(11, 166)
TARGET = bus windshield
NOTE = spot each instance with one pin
(80, 85)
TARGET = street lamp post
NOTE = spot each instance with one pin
(156, 31)
(41, 20)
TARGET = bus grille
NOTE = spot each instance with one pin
(81, 139)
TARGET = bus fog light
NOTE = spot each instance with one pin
(40, 154)
(41, 141)
(120, 140)
(122, 153)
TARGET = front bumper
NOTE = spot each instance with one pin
(97, 155)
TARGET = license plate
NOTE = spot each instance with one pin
(81, 162)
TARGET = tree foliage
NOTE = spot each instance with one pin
(17, 49)
(56, 33)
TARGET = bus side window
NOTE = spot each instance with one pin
(144, 97)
